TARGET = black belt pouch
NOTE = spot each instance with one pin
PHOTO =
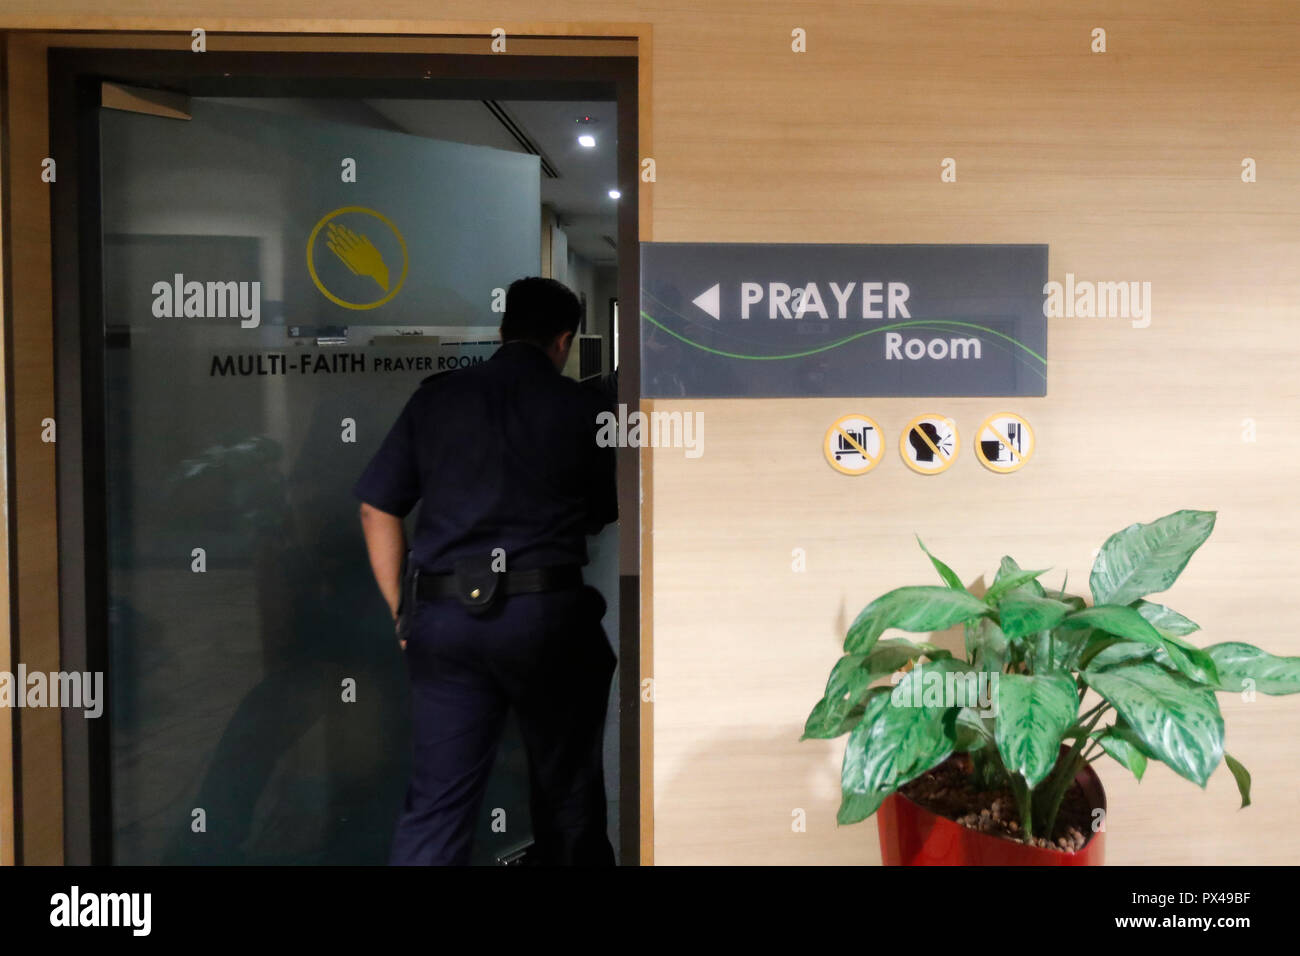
(477, 585)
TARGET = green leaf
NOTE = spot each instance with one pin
(1123, 748)
(1130, 624)
(949, 576)
(1022, 615)
(912, 609)
(1115, 619)
(1121, 652)
(1165, 620)
(1189, 660)
(851, 679)
(1069, 645)
(885, 658)
(1010, 577)
(1147, 558)
(1242, 776)
(1034, 712)
(843, 674)
(893, 744)
(1120, 728)
(1238, 663)
(987, 646)
(836, 714)
(856, 807)
(1177, 720)
(972, 734)
(1008, 569)
(830, 719)
(1057, 649)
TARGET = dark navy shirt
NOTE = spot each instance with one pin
(502, 454)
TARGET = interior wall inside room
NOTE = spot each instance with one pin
(606, 288)
(582, 280)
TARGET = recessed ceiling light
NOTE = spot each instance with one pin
(614, 194)
(587, 140)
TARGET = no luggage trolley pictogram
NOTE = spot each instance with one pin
(1004, 443)
(854, 445)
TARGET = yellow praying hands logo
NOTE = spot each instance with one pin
(353, 247)
(358, 253)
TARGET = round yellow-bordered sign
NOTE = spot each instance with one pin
(311, 263)
(1004, 443)
(854, 444)
(929, 451)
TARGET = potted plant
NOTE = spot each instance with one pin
(986, 758)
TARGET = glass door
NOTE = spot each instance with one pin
(275, 287)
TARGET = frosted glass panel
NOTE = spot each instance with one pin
(256, 685)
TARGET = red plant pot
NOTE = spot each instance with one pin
(911, 835)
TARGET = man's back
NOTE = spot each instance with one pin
(500, 455)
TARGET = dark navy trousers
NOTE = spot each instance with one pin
(546, 655)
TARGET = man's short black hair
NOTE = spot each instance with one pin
(538, 310)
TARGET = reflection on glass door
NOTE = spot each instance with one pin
(253, 300)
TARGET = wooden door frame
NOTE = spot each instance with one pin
(57, 805)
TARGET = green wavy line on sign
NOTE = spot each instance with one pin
(919, 324)
(834, 345)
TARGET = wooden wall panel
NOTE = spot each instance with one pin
(7, 844)
(1127, 164)
(31, 392)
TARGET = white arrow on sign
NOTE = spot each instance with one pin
(708, 300)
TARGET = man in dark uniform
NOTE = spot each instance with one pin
(503, 458)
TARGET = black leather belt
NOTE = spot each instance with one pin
(431, 587)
